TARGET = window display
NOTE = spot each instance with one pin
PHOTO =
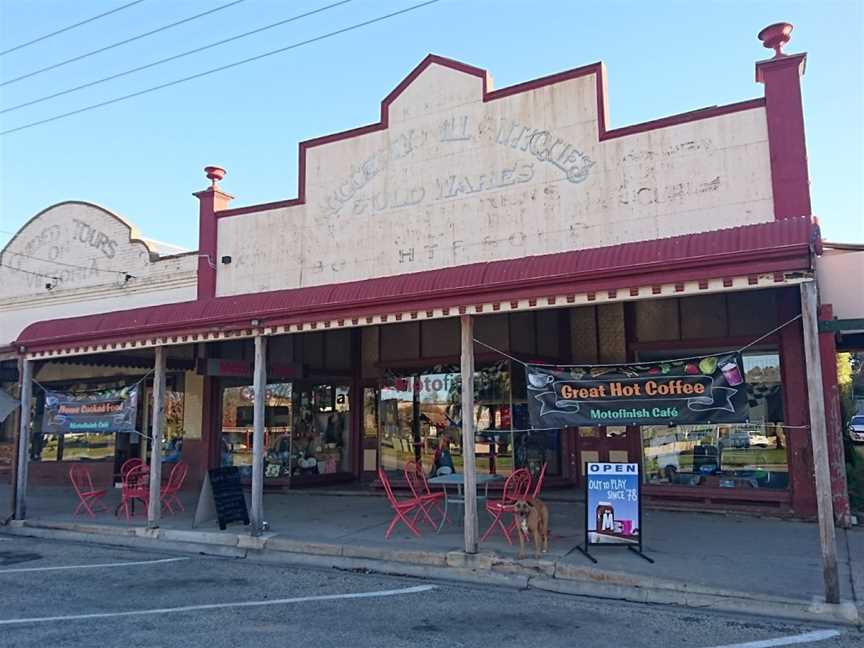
(421, 419)
(74, 446)
(306, 429)
(745, 455)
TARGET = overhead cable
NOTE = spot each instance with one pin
(220, 68)
(68, 265)
(122, 42)
(65, 29)
(168, 59)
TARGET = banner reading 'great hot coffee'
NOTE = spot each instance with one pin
(701, 390)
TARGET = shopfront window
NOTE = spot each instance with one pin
(238, 422)
(745, 455)
(307, 429)
(72, 446)
(421, 417)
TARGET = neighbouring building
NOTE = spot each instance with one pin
(566, 240)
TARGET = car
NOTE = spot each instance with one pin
(760, 440)
(856, 429)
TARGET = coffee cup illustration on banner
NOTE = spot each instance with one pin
(731, 372)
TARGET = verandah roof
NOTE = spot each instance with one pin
(773, 247)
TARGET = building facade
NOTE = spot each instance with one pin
(566, 241)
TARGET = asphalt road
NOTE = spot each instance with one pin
(65, 594)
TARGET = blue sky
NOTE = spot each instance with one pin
(143, 158)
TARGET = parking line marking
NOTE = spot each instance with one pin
(19, 570)
(816, 635)
(220, 606)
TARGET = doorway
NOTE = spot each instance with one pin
(611, 444)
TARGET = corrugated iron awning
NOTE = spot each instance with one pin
(627, 270)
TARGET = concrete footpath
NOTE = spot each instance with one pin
(731, 563)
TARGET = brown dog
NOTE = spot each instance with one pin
(532, 518)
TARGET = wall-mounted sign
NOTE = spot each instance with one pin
(243, 369)
(106, 410)
(698, 390)
(613, 506)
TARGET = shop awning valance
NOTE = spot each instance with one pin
(748, 256)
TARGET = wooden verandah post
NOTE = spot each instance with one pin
(819, 440)
(468, 456)
(154, 506)
(23, 439)
(259, 385)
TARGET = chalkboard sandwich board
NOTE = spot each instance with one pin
(228, 496)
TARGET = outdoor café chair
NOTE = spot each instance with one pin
(400, 508)
(515, 488)
(420, 489)
(136, 486)
(128, 465)
(88, 495)
(539, 485)
(175, 483)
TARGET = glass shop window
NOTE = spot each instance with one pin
(238, 422)
(742, 455)
(420, 418)
(71, 446)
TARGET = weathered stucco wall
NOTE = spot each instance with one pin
(840, 274)
(455, 180)
(84, 253)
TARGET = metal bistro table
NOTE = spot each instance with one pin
(458, 480)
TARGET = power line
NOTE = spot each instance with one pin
(221, 68)
(65, 29)
(173, 58)
(30, 272)
(122, 42)
(69, 265)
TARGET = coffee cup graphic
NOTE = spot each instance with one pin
(539, 380)
(731, 373)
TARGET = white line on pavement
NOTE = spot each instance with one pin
(816, 635)
(19, 570)
(218, 606)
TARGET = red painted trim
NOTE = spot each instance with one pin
(790, 181)
(596, 69)
(796, 413)
(210, 200)
(590, 282)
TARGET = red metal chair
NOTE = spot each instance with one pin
(128, 465)
(89, 496)
(420, 489)
(539, 485)
(401, 509)
(136, 486)
(175, 483)
(515, 488)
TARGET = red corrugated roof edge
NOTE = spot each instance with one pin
(774, 246)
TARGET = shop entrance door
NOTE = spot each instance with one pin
(610, 444)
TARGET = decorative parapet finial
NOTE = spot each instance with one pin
(214, 175)
(775, 37)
